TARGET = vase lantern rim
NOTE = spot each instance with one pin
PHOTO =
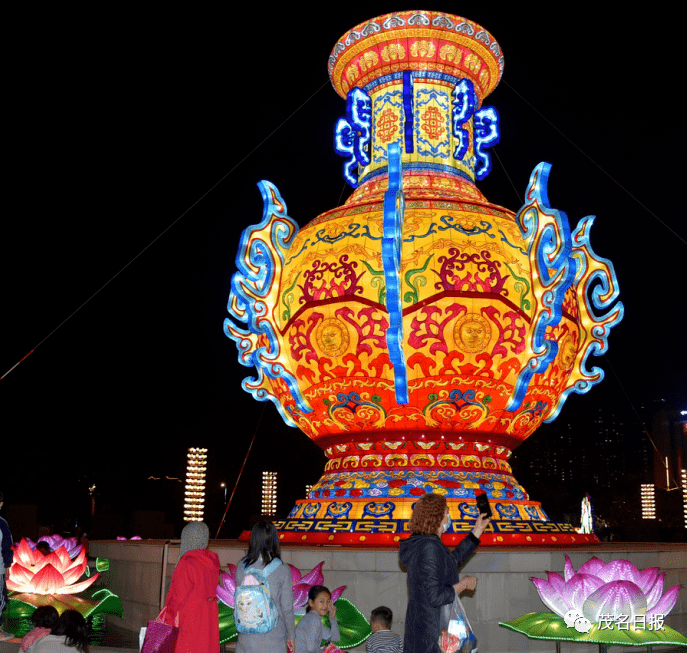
(432, 42)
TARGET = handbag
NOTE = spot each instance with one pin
(160, 637)
(456, 635)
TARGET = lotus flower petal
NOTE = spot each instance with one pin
(61, 554)
(295, 575)
(568, 570)
(79, 587)
(556, 581)
(25, 556)
(619, 597)
(315, 577)
(72, 575)
(654, 594)
(592, 566)
(20, 574)
(45, 560)
(300, 595)
(79, 562)
(550, 597)
(619, 570)
(647, 579)
(47, 581)
(79, 559)
(54, 541)
(225, 597)
(71, 545)
(336, 593)
(667, 602)
(226, 588)
(578, 589)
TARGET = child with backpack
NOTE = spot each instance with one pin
(264, 596)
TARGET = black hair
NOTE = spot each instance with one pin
(45, 617)
(314, 592)
(73, 626)
(2, 497)
(264, 543)
(41, 546)
(383, 616)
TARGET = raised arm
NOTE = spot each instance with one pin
(332, 634)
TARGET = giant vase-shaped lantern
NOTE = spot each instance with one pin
(418, 333)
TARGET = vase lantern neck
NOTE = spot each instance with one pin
(417, 78)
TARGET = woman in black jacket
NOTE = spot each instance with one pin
(433, 579)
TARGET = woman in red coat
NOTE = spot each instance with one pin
(192, 593)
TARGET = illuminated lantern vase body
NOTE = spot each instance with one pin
(419, 333)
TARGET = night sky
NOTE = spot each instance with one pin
(121, 126)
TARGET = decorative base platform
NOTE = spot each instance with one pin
(368, 491)
(375, 533)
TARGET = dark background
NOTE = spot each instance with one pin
(120, 121)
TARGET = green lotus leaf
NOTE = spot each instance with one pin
(227, 627)
(546, 625)
(20, 606)
(88, 603)
(353, 626)
(102, 564)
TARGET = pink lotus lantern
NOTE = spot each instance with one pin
(55, 573)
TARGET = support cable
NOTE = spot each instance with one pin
(634, 410)
(577, 147)
(238, 478)
(200, 199)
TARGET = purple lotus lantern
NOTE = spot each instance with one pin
(71, 544)
(605, 603)
(616, 588)
(301, 586)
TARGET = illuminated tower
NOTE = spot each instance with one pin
(419, 333)
(269, 494)
(196, 464)
(648, 501)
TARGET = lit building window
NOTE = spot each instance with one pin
(269, 494)
(648, 501)
(194, 503)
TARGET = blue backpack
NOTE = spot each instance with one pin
(255, 612)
